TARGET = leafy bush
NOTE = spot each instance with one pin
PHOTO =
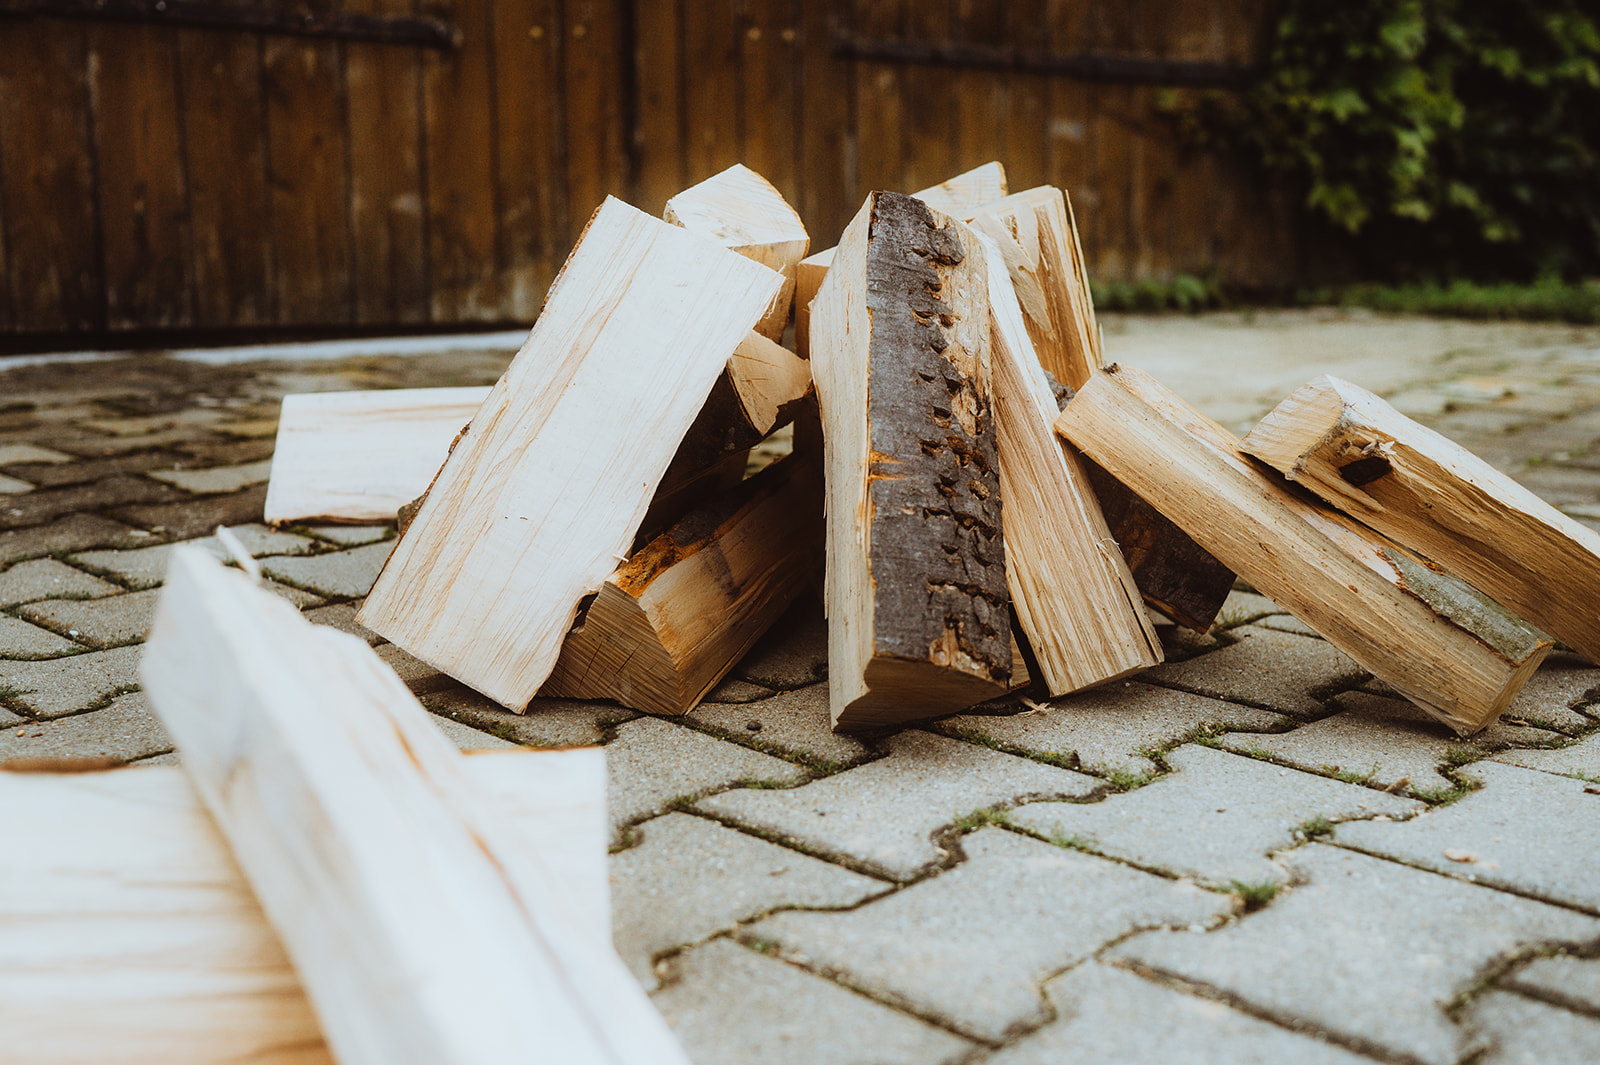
(1431, 138)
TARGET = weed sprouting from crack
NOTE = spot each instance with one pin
(1460, 754)
(1254, 894)
(1351, 776)
(1315, 828)
(990, 815)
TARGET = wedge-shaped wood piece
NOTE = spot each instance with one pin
(361, 456)
(673, 619)
(1438, 499)
(1073, 596)
(916, 594)
(1435, 639)
(741, 210)
(421, 928)
(543, 495)
(1038, 240)
(121, 902)
(959, 197)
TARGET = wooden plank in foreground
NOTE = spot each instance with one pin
(1038, 240)
(916, 589)
(1073, 595)
(1434, 639)
(151, 929)
(544, 493)
(361, 456)
(673, 619)
(422, 928)
(740, 209)
(959, 197)
(1438, 499)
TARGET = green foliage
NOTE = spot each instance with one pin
(1184, 293)
(1253, 895)
(1440, 138)
(1546, 299)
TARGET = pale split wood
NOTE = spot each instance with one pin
(1433, 496)
(741, 210)
(770, 380)
(1073, 595)
(422, 929)
(917, 619)
(544, 493)
(1435, 640)
(1038, 239)
(121, 902)
(959, 197)
(673, 619)
(361, 456)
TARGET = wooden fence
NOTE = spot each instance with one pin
(189, 164)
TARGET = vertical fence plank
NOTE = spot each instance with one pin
(1068, 153)
(661, 152)
(880, 114)
(230, 219)
(530, 160)
(771, 94)
(54, 269)
(982, 98)
(1024, 99)
(712, 87)
(389, 257)
(309, 179)
(928, 146)
(597, 162)
(829, 194)
(458, 115)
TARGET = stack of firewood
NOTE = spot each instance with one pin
(995, 507)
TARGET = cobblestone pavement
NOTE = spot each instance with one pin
(1254, 853)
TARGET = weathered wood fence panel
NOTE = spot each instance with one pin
(406, 163)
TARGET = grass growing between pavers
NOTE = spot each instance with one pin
(1254, 895)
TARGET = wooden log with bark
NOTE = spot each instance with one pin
(544, 494)
(422, 928)
(1436, 640)
(1438, 499)
(157, 935)
(959, 197)
(918, 623)
(674, 618)
(1074, 598)
(1037, 237)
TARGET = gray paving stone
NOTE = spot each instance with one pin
(340, 574)
(1287, 623)
(1390, 742)
(1111, 727)
(144, 425)
(48, 504)
(467, 738)
(61, 686)
(734, 690)
(1562, 681)
(1217, 817)
(1105, 1014)
(146, 567)
(21, 454)
(1241, 608)
(116, 619)
(548, 722)
(652, 763)
(342, 616)
(1563, 978)
(18, 639)
(216, 479)
(45, 578)
(1274, 670)
(12, 486)
(75, 532)
(794, 723)
(1530, 832)
(885, 814)
(351, 535)
(732, 1006)
(1581, 759)
(690, 878)
(1372, 952)
(971, 946)
(1525, 1031)
(793, 654)
(417, 674)
(126, 729)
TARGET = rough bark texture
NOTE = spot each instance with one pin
(938, 561)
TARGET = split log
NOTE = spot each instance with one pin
(1440, 500)
(917, 619)
(959, 197)
(1434, 639)
(1073, 596)
(741, 210)
(360, 456)
(1037, 236)
(543, 495)
(422, 929)
(154, 933)
(673, 619)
